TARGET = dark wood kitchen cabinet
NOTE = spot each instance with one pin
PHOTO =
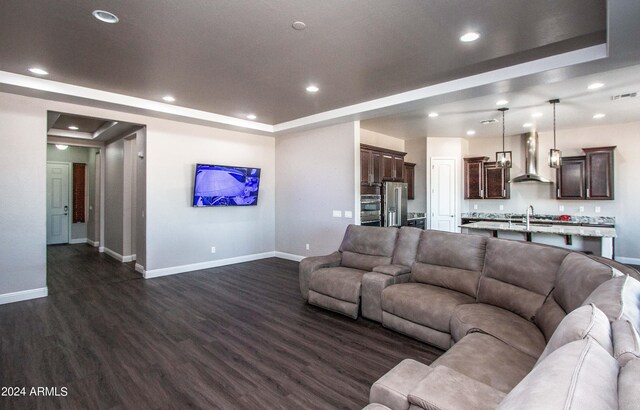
(588, 176)
(378, 165)
(571, 177)
(496, 181)
(410, 179)
(599, 181)
(474, 177)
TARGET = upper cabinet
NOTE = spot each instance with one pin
(378, 165)
(474, 177)
(587, 177)
(410, 179)
(496, 181)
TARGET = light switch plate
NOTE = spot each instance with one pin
(597, 209)
(337, 214)
(348, 214)
(561, 208)
(475, 207)
(582, 209)
(502, 207)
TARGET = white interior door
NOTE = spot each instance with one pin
(58, 206)
(443, 194)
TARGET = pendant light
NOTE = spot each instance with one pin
(555, 155)
(503, 158)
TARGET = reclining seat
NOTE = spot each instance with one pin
(338, 287)
(444, 276)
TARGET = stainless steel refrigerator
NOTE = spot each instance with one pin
(394, 203)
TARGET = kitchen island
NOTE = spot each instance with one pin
(605, 233)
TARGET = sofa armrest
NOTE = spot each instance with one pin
(392, 270)
(373, 283)
(313, 263)
(444, 388)
(393, 388)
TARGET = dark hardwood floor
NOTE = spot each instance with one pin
(235, 337)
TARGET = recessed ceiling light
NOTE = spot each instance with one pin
(299, 25)
(73, 128)
(595, 86)
(502, 102)
(598, 116)
(169, 98)
(251, 116)
(536, 115)
(433, 114)
(527, 125)
(313, 89)
(471, 132)
(38, 71)
(105, 16)
(62, 147)
(469, 37)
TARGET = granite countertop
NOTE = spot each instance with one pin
(543, 218)
(600, 232)
(411, 216)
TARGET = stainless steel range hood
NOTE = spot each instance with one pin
(530, 145)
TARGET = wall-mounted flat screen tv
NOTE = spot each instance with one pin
(219, 185)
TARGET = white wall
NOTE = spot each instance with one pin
(316, 173)
(114, 198)
(542, 196)
(381, 140)
(417, 153)
(77, 155)
(23, 158)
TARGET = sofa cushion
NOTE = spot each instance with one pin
(626, 342)
(423, 333)
(373, 283)
(340, 283)
(442, 387)
(579, 375)
(369, 240)
(426, 305)
(350, 309)
(549, 316)
(454, 250)
(460, 280)
(313, 263)
(488, 360)
(578, 276)
(393, 388)
(618, 298)
(586, 321)
(628, 391)
(406, 246)
(363, 262)
(518, 276)
(499, 323)
(375, 406)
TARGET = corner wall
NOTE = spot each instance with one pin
(315, 173)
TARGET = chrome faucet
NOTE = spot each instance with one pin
(528, 216)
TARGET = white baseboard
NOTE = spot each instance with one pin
(101, 249)
(140, 268)
(154, 273)
(23, 295)
(95, 244)
(289, 256)
(116, 255)
(630, 261)
(78, 240)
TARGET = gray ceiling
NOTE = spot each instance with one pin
(84, 124)
(241, 56)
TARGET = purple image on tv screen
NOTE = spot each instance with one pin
(218, 185)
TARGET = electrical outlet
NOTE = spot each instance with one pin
(213, 249)
(581, 209)
(337, 214)
(348, 214)
(475, 207)
(307, 246)
(561, 208)
(502, 207)
(597, 209)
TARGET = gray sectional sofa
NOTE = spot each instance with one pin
(523, 325)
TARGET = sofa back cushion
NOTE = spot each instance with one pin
(618, 298)
(579, 375)
(406, 246)
(365, 247)
(586, 321)
(450, 260)
(578, 276)
(518, 276)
